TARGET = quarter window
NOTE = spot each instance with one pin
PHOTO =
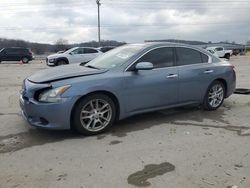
(160, 57)
(204, 58)
(187, 56)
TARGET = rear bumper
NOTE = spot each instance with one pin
(231, 85)
(47, 115)
(231, 89)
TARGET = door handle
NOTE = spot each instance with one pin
(208, 71)
(172, 76)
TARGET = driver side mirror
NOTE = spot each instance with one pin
(144, 66)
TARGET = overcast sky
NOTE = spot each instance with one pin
(125, 20)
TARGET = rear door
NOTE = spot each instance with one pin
(89, 54)
(147, 89)
(195, 74)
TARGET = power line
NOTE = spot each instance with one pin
(124, 26)
(76, 3)
(131, 4)
(132, 7)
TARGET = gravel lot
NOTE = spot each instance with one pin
(184, 147)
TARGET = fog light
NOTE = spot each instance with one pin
(43, 121)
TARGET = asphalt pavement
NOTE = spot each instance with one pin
(184, 147)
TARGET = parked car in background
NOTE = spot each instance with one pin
(73, 55)
(221, 52)
(61, 51)
(106, 48)
(212, 52)
(131, 79)
(16, 54)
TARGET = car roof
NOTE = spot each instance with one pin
(171, 44)
(213, 47)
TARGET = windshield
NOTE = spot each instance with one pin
(115, 57)
(70, 50)
(211, 51)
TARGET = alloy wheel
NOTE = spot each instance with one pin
(96, 115)
(25, 60)
(216, 95)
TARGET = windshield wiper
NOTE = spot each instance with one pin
(90, 66)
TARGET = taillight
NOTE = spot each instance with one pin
(232, 66)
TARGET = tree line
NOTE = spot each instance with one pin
(60, 44)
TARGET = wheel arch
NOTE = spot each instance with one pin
(24, 56)
(224, 83)
(62, 58)
(107, 93)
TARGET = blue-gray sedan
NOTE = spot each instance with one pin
(125, 81)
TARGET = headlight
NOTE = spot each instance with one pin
(51, 60)
(53, 95)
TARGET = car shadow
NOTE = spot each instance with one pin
(34, 137)
(178, 116)
(170, 116)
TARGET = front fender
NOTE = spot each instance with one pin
(62, 58)
(81, 87)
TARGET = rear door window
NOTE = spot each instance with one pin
(204, 58)
(20, 51)
(90, 51)
(188, 56)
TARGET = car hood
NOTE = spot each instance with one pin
(63, 72)
(54, 56)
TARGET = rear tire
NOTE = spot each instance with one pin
(94, 114)
(214, 97)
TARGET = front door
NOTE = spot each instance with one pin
(148, 89)
(76, 56)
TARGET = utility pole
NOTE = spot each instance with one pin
(99, 29)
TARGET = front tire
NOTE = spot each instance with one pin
(94, 114)
(61, 62)
(214, 97)
(25, 60)
(227, 56)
